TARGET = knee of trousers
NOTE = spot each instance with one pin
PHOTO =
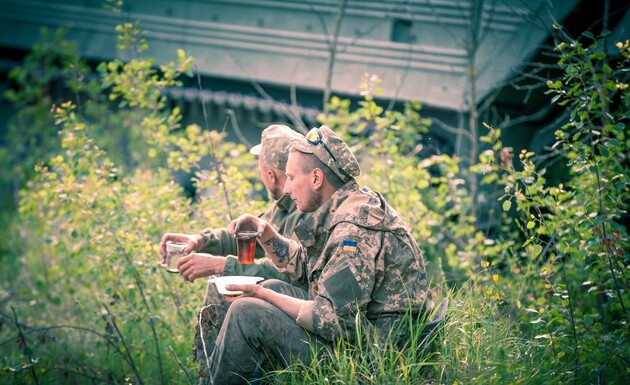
(244, 310)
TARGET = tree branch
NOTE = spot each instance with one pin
(333, 53)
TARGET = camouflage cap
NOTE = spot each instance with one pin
(331, 150)
(275, 145)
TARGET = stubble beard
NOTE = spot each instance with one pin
(312, 203)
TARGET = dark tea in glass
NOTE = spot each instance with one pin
(246, 246)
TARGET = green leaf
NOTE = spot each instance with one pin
(598, 56)
(554, 85)
(422, 184)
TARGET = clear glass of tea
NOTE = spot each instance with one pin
(246, 246)
(174, 251)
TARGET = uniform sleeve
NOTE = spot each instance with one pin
(296, 268)
(261, 268)
(218, 242)
(345, 283)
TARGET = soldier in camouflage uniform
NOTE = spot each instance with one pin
(355, 252)
(212, 252)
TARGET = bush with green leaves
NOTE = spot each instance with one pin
(90, 302)
(31, 136)
(574, 255)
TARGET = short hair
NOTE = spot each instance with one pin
(312, 162)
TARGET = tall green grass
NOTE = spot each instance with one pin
(479, 342)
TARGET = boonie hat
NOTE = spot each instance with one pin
(275, 145)
(331, 150)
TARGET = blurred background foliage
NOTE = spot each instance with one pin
(538, 296)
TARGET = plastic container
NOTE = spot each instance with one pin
(223, 281)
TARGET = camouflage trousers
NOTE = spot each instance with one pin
(256, 334)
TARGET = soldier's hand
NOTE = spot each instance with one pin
(249, 290)
(247, 222)
(193, 242)
(199, 265)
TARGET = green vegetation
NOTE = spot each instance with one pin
(541, 298)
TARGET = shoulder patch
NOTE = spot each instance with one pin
(349, 246)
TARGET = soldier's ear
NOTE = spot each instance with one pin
(272, 175)
(317, 176)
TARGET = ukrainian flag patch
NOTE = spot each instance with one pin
(349, 246)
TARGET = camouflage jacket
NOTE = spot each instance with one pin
(283, 215)
(357, 255)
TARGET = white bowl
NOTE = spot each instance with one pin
(225, 280)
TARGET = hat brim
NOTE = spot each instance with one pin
(302, 145)
(256, 149)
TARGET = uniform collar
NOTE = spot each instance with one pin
(286, 203)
